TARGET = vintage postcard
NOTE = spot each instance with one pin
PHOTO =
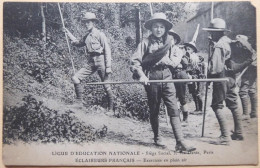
(130, 84)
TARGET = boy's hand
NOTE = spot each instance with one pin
(143, 79)
(108, 70)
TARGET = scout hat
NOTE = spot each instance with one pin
(192, 45)
(175, 35)
(193, 41)
(217, 24)
(161, 17)
(244, 41)
(89, 16)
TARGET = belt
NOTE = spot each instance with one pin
(94, 54)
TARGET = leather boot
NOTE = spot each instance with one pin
(181, 146)
(224, 138)
(238, 133)
(253, 99)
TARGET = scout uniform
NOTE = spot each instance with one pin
(98, 59)
(242, 50)
(153, 58)
(196, 71)
(221, 65)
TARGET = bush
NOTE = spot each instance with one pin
(32, 121)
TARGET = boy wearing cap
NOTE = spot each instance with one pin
(221, 65)
(195, 69)
(98, 57)
(151, 61)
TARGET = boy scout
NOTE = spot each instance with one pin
(195, 69)
(98, 57)
(242, 51)
(221, 65)
(151, 61)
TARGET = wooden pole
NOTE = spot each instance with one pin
(206, 92)
(71, 59)
(163, 81)
(151, 8)
(138, 25)
(212, 11)
(43, 25)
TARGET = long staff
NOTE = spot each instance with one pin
(66, 39)
(163, 81)
(206, 93)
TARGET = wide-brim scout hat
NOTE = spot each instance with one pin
(89, 16)
(158, 17)
(217, 24)
(192, 45)
(175, 35)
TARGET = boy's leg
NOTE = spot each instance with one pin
(218, 96)
(243, 94)
(104, 77)
(169, 98)
(77, 77)
(154, 100)
(231, 102)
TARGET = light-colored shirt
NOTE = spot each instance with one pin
(96, 42)
(221, 52)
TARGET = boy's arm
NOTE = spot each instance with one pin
(75, 41)
(136, 60)
(107, 52)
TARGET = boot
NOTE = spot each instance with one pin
(253, 99)
(181, 146)
(224, 138)
(78, 102)
(237, 134)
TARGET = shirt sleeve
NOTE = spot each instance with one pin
(107, 51)
(136, 60)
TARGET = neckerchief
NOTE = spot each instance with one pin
(150, 59)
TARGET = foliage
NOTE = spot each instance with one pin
(33, 121)
(44, 68)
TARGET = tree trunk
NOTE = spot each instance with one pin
(43, 25)
(138, 25)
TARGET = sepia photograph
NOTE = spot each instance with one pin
(130, 84)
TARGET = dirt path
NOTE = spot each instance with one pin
(128, 134)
